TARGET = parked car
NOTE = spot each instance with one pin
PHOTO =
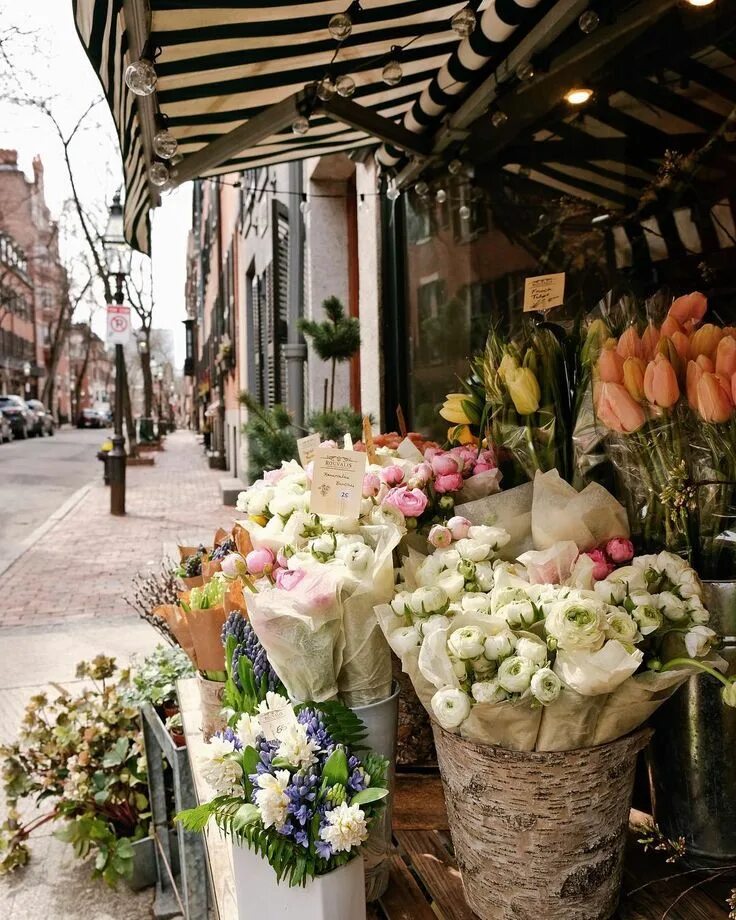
(89, 418)
(20, 415)
(44, 417)
(6, 432)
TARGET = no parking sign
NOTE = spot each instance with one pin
(118, 324)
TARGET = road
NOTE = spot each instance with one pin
(37, 476)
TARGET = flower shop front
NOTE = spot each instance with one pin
(543, 590)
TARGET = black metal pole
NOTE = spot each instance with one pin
(117, 454)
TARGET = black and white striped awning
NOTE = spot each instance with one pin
(232, 77)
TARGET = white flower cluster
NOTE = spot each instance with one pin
(278, 495)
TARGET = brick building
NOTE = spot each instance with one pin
(92, 371)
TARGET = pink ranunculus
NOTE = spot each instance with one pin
(446, 465)
(233, 565)
(289, 578)
(620, 550)
(459, 527)
(410, 502)
(431, 452)
(487, 456)
(482, 468)
(282, 559)
(467, 455)
(422, 473)
(392, 475)
(371, 485)
(440, 537)
(451, 482)
(260, 561)
(601, 566)
(329, 444)
(273, 476)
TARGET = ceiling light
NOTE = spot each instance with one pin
(578, 96)
(700, 2)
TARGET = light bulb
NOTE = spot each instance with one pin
(158, 174)
(543, 220)
(300, 125)
(340, 26)
(700, 2)
(325, 89)
(140, 77)
(525, 71)
(441, 196)
(304, 205)
(422, 189)
(454, 167)
(164, 144)
(499, 118)
(589, 21)
(464, 212)
(463, 22)
(392, 193)
(392, 73)
(345, 86)
(579, 95)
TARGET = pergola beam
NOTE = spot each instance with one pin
(357, 116)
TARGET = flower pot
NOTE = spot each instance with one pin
(210, 697)
(178, 738)
(690, 760)
(335, 896)
(381, 721)
(539, 834)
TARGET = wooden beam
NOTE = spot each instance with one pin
(357, 116)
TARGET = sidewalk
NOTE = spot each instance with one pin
(62, 602)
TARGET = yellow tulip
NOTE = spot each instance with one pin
(461, 434)
(508, 365)
(524, 390)
(453, 409)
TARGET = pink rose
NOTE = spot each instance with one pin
(446, 465)
(289, 578)
(260, 561)
(459, 527)
(431, 452)
(371, 485)
(601, 566)
(482, 468)
(451, 482)
(410, 502)
(329, 444)
(440, 537)
(392, 475)
(620, 550)
(233, 565)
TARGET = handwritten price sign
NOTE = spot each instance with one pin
(544, 292)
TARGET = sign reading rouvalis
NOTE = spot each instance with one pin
(118, 324)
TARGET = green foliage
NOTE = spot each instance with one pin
(341, 723)
(270, 436)
(154, 679)
(336, 339)
(333, 425)
(84, 753)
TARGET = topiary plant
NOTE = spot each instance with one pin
(336, 339)
(270, 436)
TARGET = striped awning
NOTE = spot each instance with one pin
(232, 77)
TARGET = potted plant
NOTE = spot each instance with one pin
(154, 679)
(175, 728)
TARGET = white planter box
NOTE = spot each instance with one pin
(339, 895)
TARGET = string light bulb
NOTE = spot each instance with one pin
(588, 21)
(300, 125)
(392, 72)
(304, 204)
(140, 77)
(579, 95)
(345, 86)
(464, 212)
(164, 143)
(341, 24)
(326, 88)
(463, 22)
(392, 192)
(454, 167)
(525, 71)
(422, 189)
(499, 118)
(158, 174)
(440, 196)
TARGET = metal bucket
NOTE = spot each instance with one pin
(690, 760)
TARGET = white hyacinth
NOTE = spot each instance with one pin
(271, 797)
(296, 747)
(248, 729)
(345, 828)
(218, 767)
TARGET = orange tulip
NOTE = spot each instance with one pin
(617, 409)
(630, 345)
(726, 357)
(714, 398)
(634, 369)
(694, 373)
(666, 347)
(733, 389)
(649, 341)
(704, 341)
(682, 346)
(705, 364)
(660, 383)
(610, 365)
(689, 309)
(670, 326)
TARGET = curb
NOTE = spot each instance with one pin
(61, 512)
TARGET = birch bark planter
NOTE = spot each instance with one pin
(539, 834)
(210, 696)
(335, 896)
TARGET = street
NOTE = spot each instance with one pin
(37, 476)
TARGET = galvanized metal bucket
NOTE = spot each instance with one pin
(691, 757)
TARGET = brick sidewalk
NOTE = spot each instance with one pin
(84, 565)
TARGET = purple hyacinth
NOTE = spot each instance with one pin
(227, 734)
(357, 781)
(302, 791)
(317, 731)
(224, 549)
(265, 750)
(323, 849)
(249, 645)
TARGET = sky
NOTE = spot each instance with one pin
(49, 61)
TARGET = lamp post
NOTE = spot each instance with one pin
(118, 257)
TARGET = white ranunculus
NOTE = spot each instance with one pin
(672, 566)
(427, 600)
(648, 618)
(451, 707)
(345, 828)
(483, 667)
(729, 694)
(484, 575)
(429, 570)
(610, 592)
(488, 691)
(518, 614)
(356, 556)
(284, 504)
(459, 667)
(256, 501)
(323, 545)
(401, 603)
(533, 648)
(642, 599)
(591, 673)
(248, 729)
(495, 537)
(699, 640)
(688, 584)
(404, 639)
(696, 611)
(476, 602)
(241, 502)
(545, 686)
(577, 623)
(499, 646)
(473, 550)
(449, 558)
(515, 673)
(453, 585)
(630, 575)
(623, 627)
(644, 563)
(671, 606)
(388, 514)
(466, 643)
(271, 798)
(432, 624)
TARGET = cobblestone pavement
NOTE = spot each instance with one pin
(63, 601)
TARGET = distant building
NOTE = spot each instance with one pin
(92, 370)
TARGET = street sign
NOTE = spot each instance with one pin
(118, 324)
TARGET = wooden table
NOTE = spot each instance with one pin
(425, 881)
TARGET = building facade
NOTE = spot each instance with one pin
(92, 371)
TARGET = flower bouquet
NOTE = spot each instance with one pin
(189, 569)
(288, 787)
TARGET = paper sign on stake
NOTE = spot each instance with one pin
(307, 446)
(544, 292)
(408, 450)
(275, 722)
(337, 482)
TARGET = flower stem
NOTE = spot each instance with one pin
(677, 662)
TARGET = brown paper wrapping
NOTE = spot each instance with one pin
(196, 582)
(198, 633)
(234, 599)
(242, 539)
(186, 551)
(176, 620)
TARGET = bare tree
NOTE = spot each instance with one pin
(139, 293)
